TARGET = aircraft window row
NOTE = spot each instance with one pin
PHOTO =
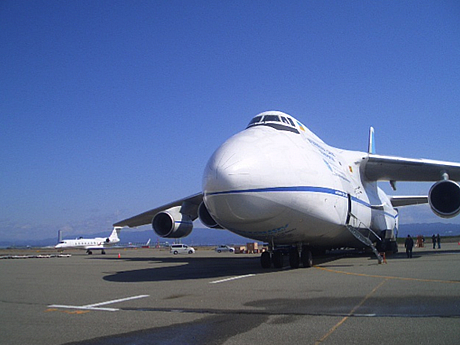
(275, 121)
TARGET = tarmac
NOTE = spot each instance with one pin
(148, 296)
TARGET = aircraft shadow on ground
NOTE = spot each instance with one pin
(191, 267)
(188, 267)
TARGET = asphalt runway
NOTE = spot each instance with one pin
(149, 296)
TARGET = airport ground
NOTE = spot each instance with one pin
(148, 296)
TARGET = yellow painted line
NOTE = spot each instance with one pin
(67, 311)
(388, 277)
(333, 329)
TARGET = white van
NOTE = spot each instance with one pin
(181, 249)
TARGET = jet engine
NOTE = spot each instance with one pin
(172, 223)
(444, 198)
(206, 217)
(107, 240)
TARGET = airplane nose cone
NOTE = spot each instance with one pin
(232, 166)
(236, 180)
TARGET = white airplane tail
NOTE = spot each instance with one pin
(113, 238)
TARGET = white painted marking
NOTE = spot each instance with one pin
(95, 306)
(232, 278)
(80, 307)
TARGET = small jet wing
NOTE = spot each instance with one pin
(388, 168)
(398, 201)
(189, 206)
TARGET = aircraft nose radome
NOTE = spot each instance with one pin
(231, 167)
(235, 170)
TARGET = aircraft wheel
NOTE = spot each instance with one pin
(307, 258)
(103, 252)
(265, 260)
(294, 259)
(277, 259)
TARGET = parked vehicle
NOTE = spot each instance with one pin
(224, 248)
(181, 249)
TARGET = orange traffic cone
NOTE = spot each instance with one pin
(119, 256)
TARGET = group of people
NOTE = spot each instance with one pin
(409, 244)
(436, 239)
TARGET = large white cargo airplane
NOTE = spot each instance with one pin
(278, 182)
(98, 243)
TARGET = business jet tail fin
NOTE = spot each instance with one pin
(114, 235)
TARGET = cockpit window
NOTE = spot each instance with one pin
(255, 120)
(275, 121)
(271, 118)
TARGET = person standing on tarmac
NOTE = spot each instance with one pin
(409, 244)
(433, 239)
(438, 239)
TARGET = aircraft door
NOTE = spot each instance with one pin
(352, 218)
(348, 209)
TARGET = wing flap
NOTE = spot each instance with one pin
(189, 206)
(388, 168)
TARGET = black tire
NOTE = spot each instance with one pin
(294, 258)
(265, 260)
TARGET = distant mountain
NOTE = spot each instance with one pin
(201, 236)
(428, 229)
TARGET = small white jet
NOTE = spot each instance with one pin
(98, 243)
(279, 183)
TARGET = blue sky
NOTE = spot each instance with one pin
(110, 108)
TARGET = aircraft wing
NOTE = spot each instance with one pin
(189, 205)
(398, 201)
(388, 168)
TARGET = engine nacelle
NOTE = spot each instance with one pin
(444, 198)
(172, 224)
(206, 217)
(107, 240)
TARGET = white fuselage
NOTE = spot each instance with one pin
(285, 186)
(86, 243)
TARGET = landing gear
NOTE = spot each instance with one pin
(89, 252)
(306, 257)
(103, 251)
(265, 260)
(296, 258)
(387, 246)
